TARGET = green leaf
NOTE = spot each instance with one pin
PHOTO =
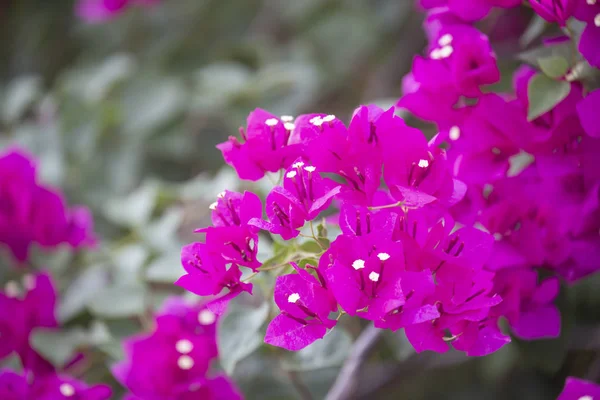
(544, 93)
(135, 209)
(519, 162)
(554, 66)
(58, 346)
(328, 352)
(536, 27)
(120, 301)
(20, 94)
(402, 349)
(239, 334)
(81, 290)
(165, 269)
(311, 247)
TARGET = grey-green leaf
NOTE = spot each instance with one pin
(239, 333)
(544, 93)
(327, 352)
(57, 346)
(81, 290)
(554, 66)
(119, 301)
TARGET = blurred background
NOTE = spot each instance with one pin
(124, 116)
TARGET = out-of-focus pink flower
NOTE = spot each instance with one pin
(577, 389)
(103, 10)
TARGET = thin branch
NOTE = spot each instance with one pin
(346, 381)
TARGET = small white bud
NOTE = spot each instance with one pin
(66, 389)
(11, 289)
(383, 256)
(184, 346)
(374, 276)
(206, 317)
(213, 206)
(454, 133)
(272, 122)
(289, 126)
(316, 121)
(358, 264)
(29, 282)
(294, 297)
(597, 20)
(435, 54)
(586, 397)
(185, 362)
(445, 40)
(328, 118)
(287, 118)
(446, 51)
(310, 168)
(291, 174)
(298, 164)
(591, 2)
(221, 195)
(423, 164)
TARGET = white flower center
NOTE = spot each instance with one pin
(290, 174)
(294, 297)
(358, 264)
(213, 206)
(446, 51)
(206, 317)
(221, 195)
(272, 121)
(597, 20)
(454, 133)
(29, 282)
(66, 389)
(328, 118)
(423, 164)
(185, 362)
(184, 346)
(591, 2)
(586, 397)
(445, 40)
(298, 164)
(289, 126)
(383, 256)
(374, 276)
(310, 168)
(287, 118)
(316, 121)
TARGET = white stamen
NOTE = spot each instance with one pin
(29, 282)
(358, 264)
(454, 133)
(272, 121)
(294, 297)
(586, 397)
(221, 195)
(591, 2)
(185, 362)
(597, 20)
(316, 121)
(423, 164)
(298, 164)
(328, 118)
(374, 276)
(287, 118)
(289, 126)
(11, 289)
(206, 317)
(66, 389)
(446, 51)
(435, 54)
(445, 40)
(383, 256)
(310, 168)
(184, 346)
(251, 244)
(290, 174)
(213, 206)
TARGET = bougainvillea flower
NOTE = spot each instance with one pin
(103, 10)
(208, 273)
(557, 11)
(589, 11)
(236, 244)
(527, 305)
(470, 10)
(17, 387)
(359, 221)
(305, 305)
(183, 344)
(303, 196)
(587, 109)
(23, 308)
(31, 213)
(235, 209)
(578, 389)
(266, 146)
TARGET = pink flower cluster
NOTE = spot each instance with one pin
(399, 260)
(30, 212)
(103, 10)
(22, 309)
(172, 362)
